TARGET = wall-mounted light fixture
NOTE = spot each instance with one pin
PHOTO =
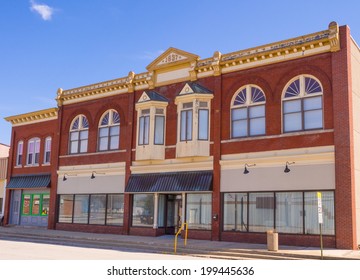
(246, 171)
(65, 177)
(93, 174)
(287, 169)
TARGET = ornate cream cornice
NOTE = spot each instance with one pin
(175, 65)
(33, 117)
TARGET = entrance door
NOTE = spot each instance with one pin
(15, 203)
(173, 213)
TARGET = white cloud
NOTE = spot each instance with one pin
(43, 10)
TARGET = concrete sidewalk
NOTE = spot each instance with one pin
(166, 243)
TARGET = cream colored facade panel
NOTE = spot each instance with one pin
(301, 177)
(173, 75)
(85, 185)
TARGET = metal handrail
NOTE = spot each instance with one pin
(176, 235)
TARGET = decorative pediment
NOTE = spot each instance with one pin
(191, 88)
(151, 96)
(171, 57)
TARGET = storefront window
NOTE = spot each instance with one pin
(35, 204)
(311, 213)
(235, 211)
(289, 212)
(97, 209)
(66, 208)
(81, 208)
(198, 211)
(45, 205)
(115, 209)
(26, 204)
(261, 211)
(143, 210)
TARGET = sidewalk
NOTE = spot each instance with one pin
(166, 242)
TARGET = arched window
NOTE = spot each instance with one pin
(79, 133)
(109, 131)
(33, 152)
(248, 112)
(302, 104)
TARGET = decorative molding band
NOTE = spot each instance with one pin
(33, 117)
(176, 65)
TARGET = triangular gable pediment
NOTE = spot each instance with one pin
(144, 97)
(172, 57)
(186, 90)
(191, 88)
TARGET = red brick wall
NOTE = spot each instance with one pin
(344, 148)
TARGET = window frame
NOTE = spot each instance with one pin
(302, 96)
(41, 212)
(109, 136)
(19, 153)
(47, 150)
(189, 123)
(33, 154)
(80, 130)
(249, 101)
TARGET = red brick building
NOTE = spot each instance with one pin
(234, 145)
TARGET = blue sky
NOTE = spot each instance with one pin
(47, 44)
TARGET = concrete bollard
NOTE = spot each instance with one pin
(272, 240)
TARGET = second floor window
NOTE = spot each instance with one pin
(19, 155)
(248, 112)
(33, 152)
(144, 127)
(47, 151)
(79, 133)
(302, 104)
(109, 131)
(186, 122)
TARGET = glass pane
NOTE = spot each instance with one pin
(198, 211)
(257, 126)
(83, 146)
(26, 204)
(141, 130)
(256, 111)
(292, 122)
(66, 208)
(183, 126)
(289, 209)
(312, 103)
(161, 211)
(240, 99)
(293, 89)
(85, 123)
(239, 128)
(45, 205)
(97, 209)
(257, 95)
(235, 212)
(311, 213)
(81, 208)
(105, 119)
(75, 125)
(74, 147)
(114, 142)
(103, 144)
(143, 210)
(103, 131)
(313, 119)
(116, 117)
(84, 134)
(189, 119)
(159, 130)
(37, 156)
(114, 130)
(312, 86)
(31, 148)
(203, 124)
(292, 106)
(238, 114)
(115, 209)
(74, 135)
(261, 212)
(146, 130)
(35, 209)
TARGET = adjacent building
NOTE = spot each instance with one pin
(234, 145)
(4, 154)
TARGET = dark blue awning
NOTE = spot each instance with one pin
(29, 181)
(192, 181)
